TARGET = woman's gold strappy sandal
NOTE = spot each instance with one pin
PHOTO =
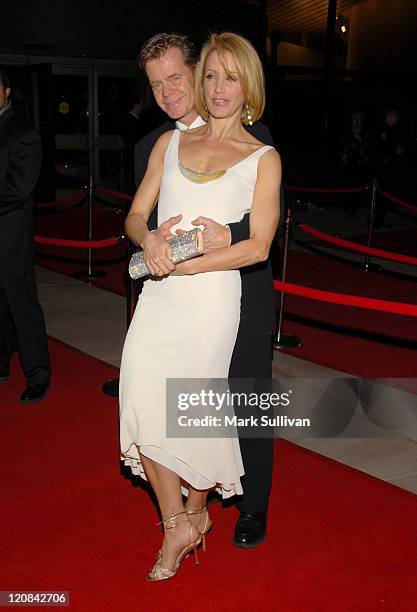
(162, 573)
(207, 525)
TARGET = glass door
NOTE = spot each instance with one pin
(73, 127)
(89, 107)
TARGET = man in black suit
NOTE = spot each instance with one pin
(169, 61)
(22, 323)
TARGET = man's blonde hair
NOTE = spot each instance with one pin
(249, 69)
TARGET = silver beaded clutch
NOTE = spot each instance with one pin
(184, 247)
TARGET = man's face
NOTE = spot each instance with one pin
(393, 117)
(172, 83)
(4, 95)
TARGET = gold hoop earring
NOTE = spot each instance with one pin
(249, 116)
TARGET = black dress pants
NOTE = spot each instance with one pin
(22, 324)
(252, 360)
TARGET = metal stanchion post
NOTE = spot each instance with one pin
(90, 224)
(90, 274)
(367, 266)
(280, 340)
(120, 210)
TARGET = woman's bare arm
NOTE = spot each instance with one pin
(156, 249)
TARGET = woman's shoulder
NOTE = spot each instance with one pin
(165, 138)
(160, 148)
(161, 145)
(253, 146)
(249, 146)
(270, 160)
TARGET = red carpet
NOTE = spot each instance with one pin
(338, 539)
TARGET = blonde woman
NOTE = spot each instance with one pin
(220, 171)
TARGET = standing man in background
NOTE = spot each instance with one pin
(390, 160)
(22, 324)
(131, 131)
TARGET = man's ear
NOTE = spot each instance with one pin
(7, 92)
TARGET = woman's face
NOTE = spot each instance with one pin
(222, 90)
(356, 122)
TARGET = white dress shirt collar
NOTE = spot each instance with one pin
(196, 123)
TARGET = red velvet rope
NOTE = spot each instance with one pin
(117, 194)
(324, 189)
(67, 200)
(353, 246)
(396, 200)
(82, 244)
(348, 300)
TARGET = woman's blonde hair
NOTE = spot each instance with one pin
(249, 69)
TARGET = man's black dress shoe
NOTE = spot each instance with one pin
(250, 529)
(111, 387)
(4, 373)
(34, 393)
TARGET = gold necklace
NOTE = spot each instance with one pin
(200, 177)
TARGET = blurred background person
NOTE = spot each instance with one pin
(132, 129)
(390, 160)
(354, 158)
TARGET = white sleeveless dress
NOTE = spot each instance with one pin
(185, 327)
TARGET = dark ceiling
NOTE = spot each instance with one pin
(289, 16)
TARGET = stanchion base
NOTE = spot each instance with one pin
(87, 275)
(111, 387)
(286, 341)
(370, 267)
